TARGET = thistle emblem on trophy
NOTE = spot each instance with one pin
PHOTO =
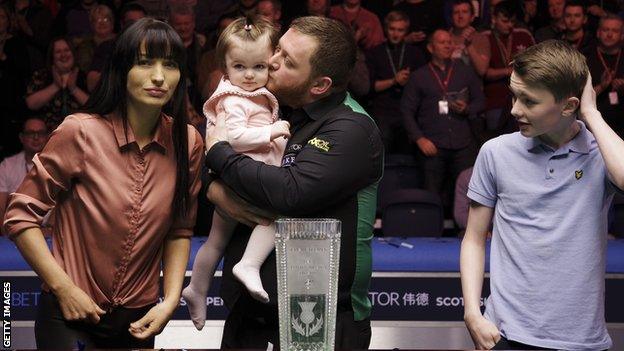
(308, 323)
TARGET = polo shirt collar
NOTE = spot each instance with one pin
(317, 109)
(579, 144)
(125, 135)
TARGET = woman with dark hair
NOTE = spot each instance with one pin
(58, 89)
(123, 179)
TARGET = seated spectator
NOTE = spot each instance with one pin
(34, 24)
(14, 72)
(365, 24)
(555, 29)
(182, 19)
(607, 69)
(468, 44)
(102, 25)
(272, 10)
(13, 169)
(437, 104)
(575, 18)
(504, 42)
(390, 65)
(58, 90)
(129, 13)
(425, 17)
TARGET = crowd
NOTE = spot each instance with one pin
(433, 74)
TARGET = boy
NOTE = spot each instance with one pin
(548, 189)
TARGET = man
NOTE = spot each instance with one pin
(505, 41)
(13, 169)
(272, 10)
(331, 167)
(365, 24)
(468, 44)
(548, 189)
(182, 19)
(437, 104)
(606, 65)
(557, 23)
(575, 17)
(425, 17)
(390, 65)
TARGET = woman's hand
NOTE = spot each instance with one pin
(76, 305)
(154, 320)
(71, 79)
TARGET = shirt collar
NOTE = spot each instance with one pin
(579, 144)
(125, 136)
(317, 109)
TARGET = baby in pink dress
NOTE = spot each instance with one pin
(244, 49)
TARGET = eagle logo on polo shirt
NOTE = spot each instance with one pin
(578, 174)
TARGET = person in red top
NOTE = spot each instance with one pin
(123, 180)
(365, 24)
(505, 41)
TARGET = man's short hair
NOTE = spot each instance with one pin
(277, 4)
(395, 16)
(575, 3)
(610, 17)
(459, 2)
(506, 8)
(181, 10)
(554, 65)
(336, 52)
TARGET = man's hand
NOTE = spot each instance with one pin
(427, 146)
(76, 305)
(153, 322)
(280, 129)
(459, 106)
(467, 34)
(484, 333)
(588, 101)
(402, 76)
(415, 37)
(219, 133)
(230, 205)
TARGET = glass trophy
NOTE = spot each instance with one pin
(308, 255)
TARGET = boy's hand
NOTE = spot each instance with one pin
(280, 129)
(588, 101)
(484, 333)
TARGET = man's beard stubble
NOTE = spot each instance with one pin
(289, 96)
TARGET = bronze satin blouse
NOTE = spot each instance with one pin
(112, 205)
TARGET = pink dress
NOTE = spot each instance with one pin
(250, 115)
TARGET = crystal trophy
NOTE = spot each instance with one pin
(308, 255)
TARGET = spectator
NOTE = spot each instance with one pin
(607, 69)
(208, 13)
(317, 7)
(102, 25)
(365, 24)
(272, 10)
(59, 89)
(14, 72)
(437, 104)
(505, 41)
(390, 65)
(182, 19)
(209, 72)
(557, 23)
(575, 17)
(130, 13)
(468, 44)
(425, 17)
(73, 20)
(33, 137)
(34, 24)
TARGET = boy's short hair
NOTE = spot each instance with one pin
(554, 65)
(395, 16)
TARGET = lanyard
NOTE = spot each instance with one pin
(443, 84)
(604, 63)
(401, 55)
(505, 51)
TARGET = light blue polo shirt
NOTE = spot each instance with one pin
(547, 259)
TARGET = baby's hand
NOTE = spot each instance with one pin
(280, 129)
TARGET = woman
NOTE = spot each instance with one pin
(123, 180)
(58, 90)
(102, 24)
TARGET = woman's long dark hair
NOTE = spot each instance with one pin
(110, 95)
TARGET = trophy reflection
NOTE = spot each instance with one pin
(308, 255)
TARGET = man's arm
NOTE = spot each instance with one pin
(326, 172)
(410, 103)
(472, 262)
(610, 144)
